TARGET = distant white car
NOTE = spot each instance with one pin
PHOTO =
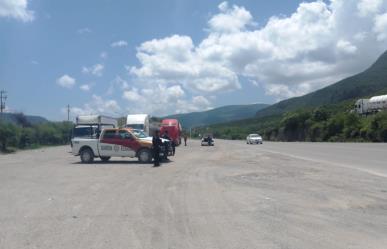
(254, 139)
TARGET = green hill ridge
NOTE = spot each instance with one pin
(217, 115)
(372, 81)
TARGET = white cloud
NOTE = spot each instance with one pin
(380, 27)
(162, 100)
(346, 47)
(97, 105)
(84, 31)
(85, 87)
(367, 7)
(318, 44)
(96, 70)
(17, 9)
(173, 60)
(132, 95)
(120, 43)
(230, 19)
(66, 81)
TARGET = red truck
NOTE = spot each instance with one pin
(174, 129)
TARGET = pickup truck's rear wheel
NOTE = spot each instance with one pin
(145, 156)
(87, 156)
(105, 158)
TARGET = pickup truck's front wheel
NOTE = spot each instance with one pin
(87, 156)
(145, 156)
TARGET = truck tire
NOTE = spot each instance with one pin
(87, 155)
(145, 156)
(105, 158)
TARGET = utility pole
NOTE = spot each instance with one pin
(68, 113)
(3, 98)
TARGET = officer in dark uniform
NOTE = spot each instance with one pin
(157, 143)
(166, 136)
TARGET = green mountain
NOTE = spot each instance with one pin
(322, 115)
(17, 118)
(373, 81)
(217, 115)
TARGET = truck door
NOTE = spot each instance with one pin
(128, 144)
(109, 144)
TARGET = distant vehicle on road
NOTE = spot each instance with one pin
(208, 140)
(173, 127)
(254, 139)
(138, 122)
(114, 143)
(374, 104)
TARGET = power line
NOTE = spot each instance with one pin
(3, 98)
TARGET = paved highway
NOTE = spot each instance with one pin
(233, 195)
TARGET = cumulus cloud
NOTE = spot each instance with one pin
(173, 60)
(98, 105)
(161, 100)
(66, 81)
(380, 27)
(229, 19)
(96, 70)
(318, 44)
(120, 43)
(369, 7)
(17, 9)
(85, 87)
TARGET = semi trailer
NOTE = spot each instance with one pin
(374, 104)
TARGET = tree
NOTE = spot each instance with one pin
(22, 120)
(8, 135)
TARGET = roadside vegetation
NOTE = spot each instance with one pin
(323, 124)
(24, 135)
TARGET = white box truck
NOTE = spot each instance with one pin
(138, 122)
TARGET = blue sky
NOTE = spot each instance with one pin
(163, 57)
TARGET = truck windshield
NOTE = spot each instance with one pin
(139, 133)
(135, 126)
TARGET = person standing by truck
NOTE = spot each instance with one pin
(185, 139)
(157, 143)
(173, 144)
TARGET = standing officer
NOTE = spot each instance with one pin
(185, 139)
(166, 136)
(157, 143)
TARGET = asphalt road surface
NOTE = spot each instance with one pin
(233, 195)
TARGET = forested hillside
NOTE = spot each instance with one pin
(371, 82)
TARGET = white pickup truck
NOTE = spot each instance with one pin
(115, 143)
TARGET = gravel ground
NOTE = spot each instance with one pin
(233, 195)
